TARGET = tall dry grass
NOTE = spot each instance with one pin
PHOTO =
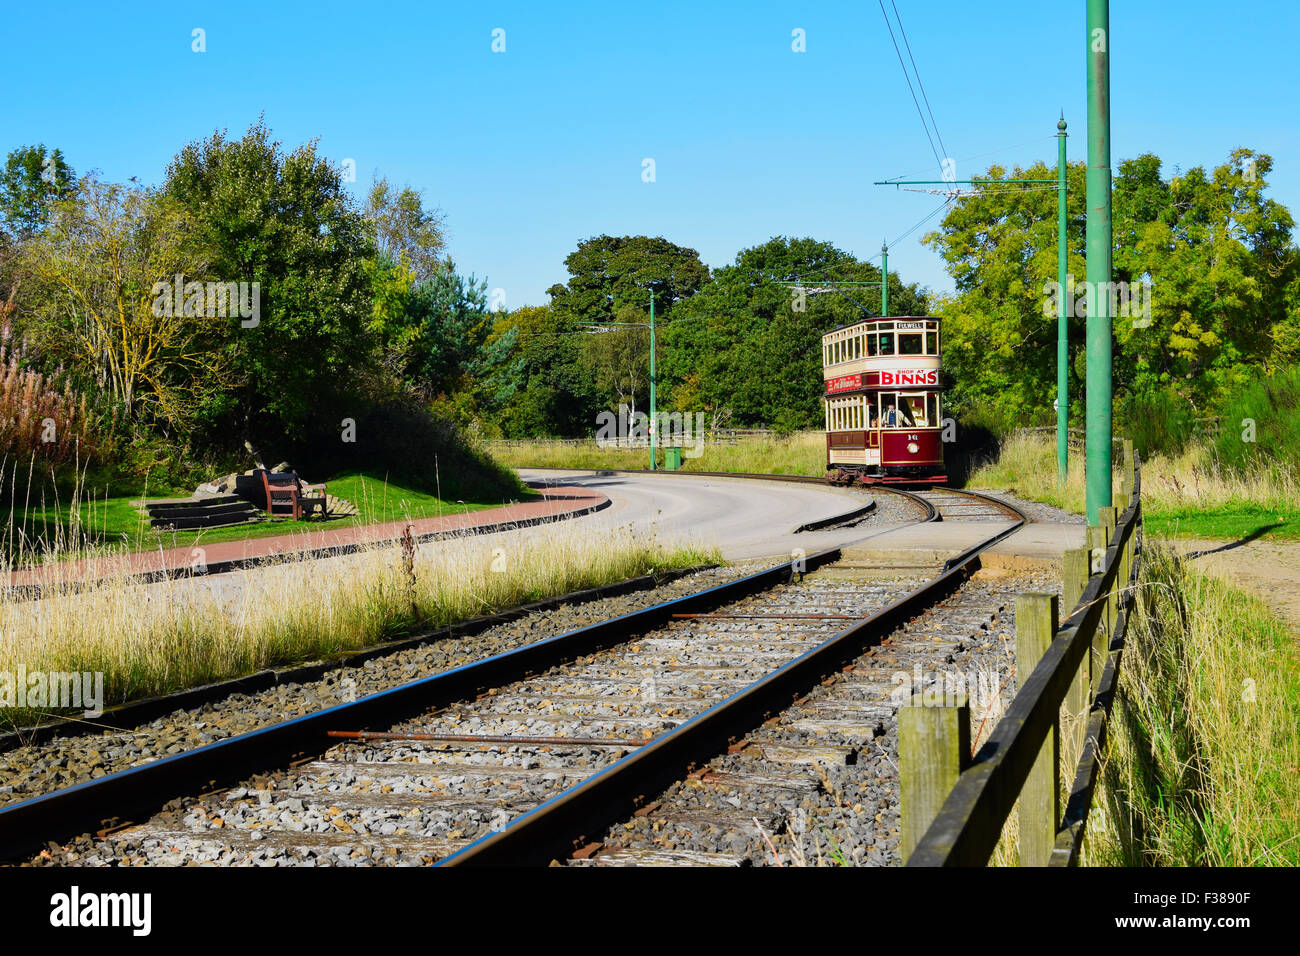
(44, 420)
(1026, 466)
(150, 639)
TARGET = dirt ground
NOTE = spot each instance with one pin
(1271, 569)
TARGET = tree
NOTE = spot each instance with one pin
(618, 361)
(608, 273)
(1214, 253)
(32, 181)
(282, 220)
(404, 230)
(96, 264)
(747, 346)
(553, 392)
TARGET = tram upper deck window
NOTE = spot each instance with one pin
(932, 342)
(909, 343)
(886, 343)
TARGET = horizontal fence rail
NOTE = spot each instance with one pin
(954, 806)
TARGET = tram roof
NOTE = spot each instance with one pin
(885, 318)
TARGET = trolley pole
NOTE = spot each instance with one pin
(1099, 261)
(1062, 325)
(653, 428)
(884, 279)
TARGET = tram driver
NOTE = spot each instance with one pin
(890, 415)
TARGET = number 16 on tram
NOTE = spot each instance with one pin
(883, 401)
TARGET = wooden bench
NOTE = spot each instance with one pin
(288, 497)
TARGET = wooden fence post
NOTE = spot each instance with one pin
(1109, 518)
(1040, 801)
(1079, 696)
(933, 750)
(1098, 538)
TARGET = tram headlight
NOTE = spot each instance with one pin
(913, 447)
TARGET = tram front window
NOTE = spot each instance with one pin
(914, 407)
(909, 343)
(886, 343)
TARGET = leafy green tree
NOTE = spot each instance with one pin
(32, 181)
(282, 220)
(752, 344)
(608, 273)
(553, 391)
(95, 265)
(1215, 253)
(404, 230)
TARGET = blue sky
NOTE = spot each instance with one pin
(531, 150)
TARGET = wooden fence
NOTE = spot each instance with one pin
(954, 806)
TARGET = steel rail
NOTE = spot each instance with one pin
(143, 790)
(562, 824)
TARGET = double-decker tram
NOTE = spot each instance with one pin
(883, 401)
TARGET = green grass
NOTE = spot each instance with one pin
(1203, 765)
(1224, 521)
(112, 522)
(803, 453)
(1189, 495)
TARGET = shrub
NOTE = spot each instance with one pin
(1273, 405)
(1158, 422)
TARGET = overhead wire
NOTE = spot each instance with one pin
(908, 80)
(918, 78)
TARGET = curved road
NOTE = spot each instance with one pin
(744, 518)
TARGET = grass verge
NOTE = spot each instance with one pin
(803, 453)
(1203, 763)
(1188, 495)
(151, 639)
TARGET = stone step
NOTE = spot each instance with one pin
(238, 506)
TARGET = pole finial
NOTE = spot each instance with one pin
(1061, 124)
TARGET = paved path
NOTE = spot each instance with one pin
(1268, 567)
(227, 555)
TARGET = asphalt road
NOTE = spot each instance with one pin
(744, 518)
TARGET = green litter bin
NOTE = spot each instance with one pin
(672, 459)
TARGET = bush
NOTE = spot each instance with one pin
(1158, 422)
(1273, 406)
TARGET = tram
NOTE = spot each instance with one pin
(883, 401)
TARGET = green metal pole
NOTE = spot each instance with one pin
(884, 279)
(1099, 261)
(653, 427)
(1062, 325)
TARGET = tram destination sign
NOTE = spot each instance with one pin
(917, 376)
(906, 326)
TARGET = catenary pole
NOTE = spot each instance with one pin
(1098, 399)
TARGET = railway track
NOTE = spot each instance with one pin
(520, 757)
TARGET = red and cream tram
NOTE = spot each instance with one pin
(883, 408)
